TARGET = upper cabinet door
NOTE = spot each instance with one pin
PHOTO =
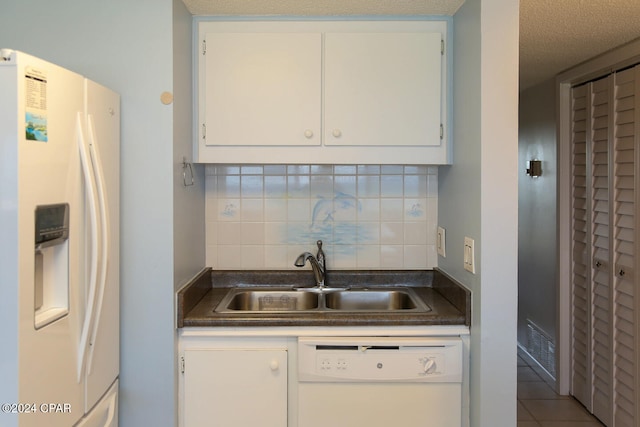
(262, 89)
(383, 89)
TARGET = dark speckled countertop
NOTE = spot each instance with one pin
(449, 301)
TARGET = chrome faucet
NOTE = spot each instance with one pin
(318, 264)
(318, 271)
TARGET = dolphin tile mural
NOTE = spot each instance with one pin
(368, 216)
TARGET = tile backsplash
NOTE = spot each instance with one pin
(368, 216)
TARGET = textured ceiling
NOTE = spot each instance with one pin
(557, 34)
(323, 7)
(554, 34)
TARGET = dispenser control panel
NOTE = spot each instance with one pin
(52, 224)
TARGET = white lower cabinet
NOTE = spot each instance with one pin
(235, 387)
(246, 377)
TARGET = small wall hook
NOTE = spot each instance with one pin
(187, 173)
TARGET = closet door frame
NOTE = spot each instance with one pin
(617, 59)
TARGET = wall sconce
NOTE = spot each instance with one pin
(534, 168)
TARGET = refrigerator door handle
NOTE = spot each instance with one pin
(112, 411)
(94, 153)
(93, 227)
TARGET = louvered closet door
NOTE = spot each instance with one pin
(581, 244)
(592, 357)
(601, 347)
(605, 327)
(625, 258)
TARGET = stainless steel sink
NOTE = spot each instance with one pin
(287, 300)
(268, 300)
(370, 300)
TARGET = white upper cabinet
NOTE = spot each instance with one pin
(382, 89)
(263, 88)
(315, 92)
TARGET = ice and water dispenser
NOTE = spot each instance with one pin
(51, 277)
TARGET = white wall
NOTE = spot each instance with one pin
(188, 200)
(537, 253)
(126, 46)
(478, 198)
(459, 184)
(188, 204)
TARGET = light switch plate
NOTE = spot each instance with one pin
(469, 255)
(441, 242)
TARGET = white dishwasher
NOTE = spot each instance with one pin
(379, 381)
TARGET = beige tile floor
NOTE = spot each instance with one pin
(540, 406)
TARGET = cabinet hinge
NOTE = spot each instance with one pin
(441, 131)
(204, 47)
(204, 131)
(442, 47)
(182, 364)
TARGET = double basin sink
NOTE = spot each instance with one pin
(285, 300)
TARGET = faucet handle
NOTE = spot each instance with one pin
(320, 255)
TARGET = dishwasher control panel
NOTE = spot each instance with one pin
(380, 359)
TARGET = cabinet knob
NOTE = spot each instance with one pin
(621, 273)
(274, 365)
(308, 134)
(337, 133)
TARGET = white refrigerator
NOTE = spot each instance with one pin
(59, 246)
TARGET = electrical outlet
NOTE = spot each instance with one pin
(469, 256)
(441, 242)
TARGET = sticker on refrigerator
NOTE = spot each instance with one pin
(35, 105)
